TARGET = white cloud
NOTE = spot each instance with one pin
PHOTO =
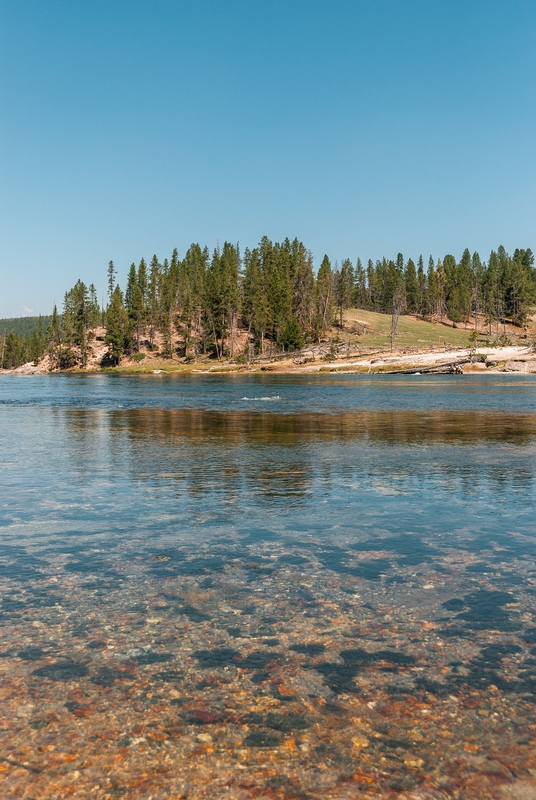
(26, 310)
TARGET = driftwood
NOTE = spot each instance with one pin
(452, 368)
(336, 351)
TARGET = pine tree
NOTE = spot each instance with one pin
(477, 270)
(230, 271)
(361, 294)
(153, 300)
(255, 303)
(371, 284)
(344, 288)
(15, 351)
(94, 309)
(111, 280)
(142, 279)
(291, 337)
(54, 329)
(166, 308)
(191, 285)
(214, 313)
(302, 281)
(37, 343)
(76, 319)
(421, 278)
(324, 298)
(412, 287)
(433, 289)
(275, 265)
(116, 326)
(132, 281)
(491, 288)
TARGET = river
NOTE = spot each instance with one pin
(267, 586)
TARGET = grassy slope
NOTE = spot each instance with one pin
(376, 331)
(411, 332)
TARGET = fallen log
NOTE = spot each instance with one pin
(452, 368)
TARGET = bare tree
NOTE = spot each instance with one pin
(398, 307)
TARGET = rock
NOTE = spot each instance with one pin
(520, 790)
(476, 366)
(25, 710)
(494, 767)
(28, 369)
(359, 742)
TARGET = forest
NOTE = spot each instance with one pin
(199, 304)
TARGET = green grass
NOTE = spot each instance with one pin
(411, 332)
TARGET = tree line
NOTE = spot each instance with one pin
(208, 301)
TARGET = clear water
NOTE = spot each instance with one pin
(286, 586)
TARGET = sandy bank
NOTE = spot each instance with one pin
(483, 360)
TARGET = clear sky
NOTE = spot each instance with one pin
(363, 127)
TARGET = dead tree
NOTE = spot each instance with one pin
(397, 308)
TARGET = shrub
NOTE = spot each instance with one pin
(138, 357)
(502, 341)
(291, 337)
(64, 358)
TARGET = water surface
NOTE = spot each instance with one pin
(276, 586)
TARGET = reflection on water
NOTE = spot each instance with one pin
(280, 459)
(239, 602)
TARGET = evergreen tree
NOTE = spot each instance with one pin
(412, 287)
(491, 287)
(132, 281)
(94, 309)
(276, 297)
(111, 280)
(344, 288)
(54, 329)
(361, 294)
(477, 270)
(302, 280)
(372, 288)
(142, 279)
(278, 286)
(230, 272)
(291, 337)
(167, 306)
(191, 287)
(14, 351)
(255, 303)
(153, 300)
(116, 326)
(37, 343)
(421, 279)
(324, 298)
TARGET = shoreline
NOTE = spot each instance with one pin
(478, 361)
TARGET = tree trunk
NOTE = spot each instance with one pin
(215, 340)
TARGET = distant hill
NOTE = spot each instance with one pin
(24, 326)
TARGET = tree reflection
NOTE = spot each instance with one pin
(278, 458)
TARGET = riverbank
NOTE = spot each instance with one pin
(482, 360)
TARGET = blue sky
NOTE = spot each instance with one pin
(364, 127)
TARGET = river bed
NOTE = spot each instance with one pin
(267, 587)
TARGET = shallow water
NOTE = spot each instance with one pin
(267, 586)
